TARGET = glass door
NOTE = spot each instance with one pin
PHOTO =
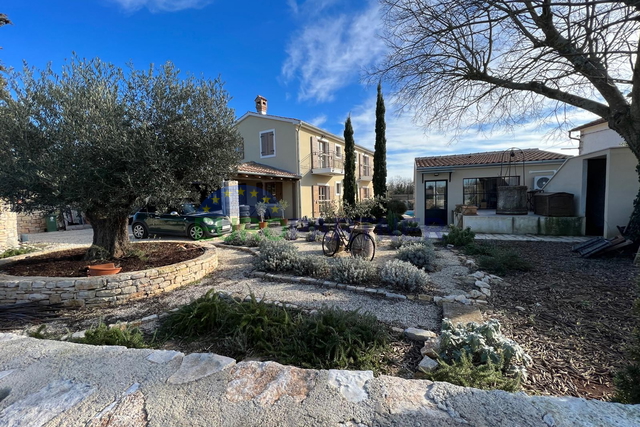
(435, 202)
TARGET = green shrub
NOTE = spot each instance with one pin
(398, 207)
(289, 233)
(421, 255)
(479, 249)
(627, 380)
(352, 270)
(254, 240)
(312, 266)
(104, 335)
(464, 373)
(398, 241)
(277, 256)
(236, 238)
(17, 251)
(403, 276)
(314, 236)
(330, 339)
(483, 343)
(393, 220)
(458, 237)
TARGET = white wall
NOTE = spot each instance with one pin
(598, 138)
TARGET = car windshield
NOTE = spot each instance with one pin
(188, 209)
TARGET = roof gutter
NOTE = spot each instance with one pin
(484, 165)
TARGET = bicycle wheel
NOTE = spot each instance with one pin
(330, 242)
(363, 246)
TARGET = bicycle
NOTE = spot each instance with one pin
(359, 243)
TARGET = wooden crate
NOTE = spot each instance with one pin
(554, 204)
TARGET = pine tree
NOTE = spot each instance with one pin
(349, 196)
(380, 155)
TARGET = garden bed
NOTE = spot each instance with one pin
(571, 314)
(70, 263)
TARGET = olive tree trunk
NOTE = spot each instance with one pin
(110, 236)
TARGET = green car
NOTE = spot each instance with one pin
(186, 221)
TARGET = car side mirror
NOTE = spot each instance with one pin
(174, 213)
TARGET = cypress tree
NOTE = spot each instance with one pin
(380, 154)
(349, 191)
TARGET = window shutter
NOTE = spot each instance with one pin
(263, 144)
(330, 192)
(315, 196)
(272, 143)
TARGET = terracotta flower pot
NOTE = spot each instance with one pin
(284, 221)
(262, 225)
(103, 269)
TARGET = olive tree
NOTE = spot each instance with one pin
(461, 63)
(104, 140)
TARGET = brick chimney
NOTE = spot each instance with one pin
(261, 104)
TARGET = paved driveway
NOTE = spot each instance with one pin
(85, 237)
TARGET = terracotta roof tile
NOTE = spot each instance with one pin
(253, 168)
(488, 158)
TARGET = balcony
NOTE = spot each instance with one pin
(327, 164)
(365, 173)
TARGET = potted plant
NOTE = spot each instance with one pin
(282, 206)
(261, 209)
(364, 208)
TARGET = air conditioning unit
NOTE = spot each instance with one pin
(541, 181)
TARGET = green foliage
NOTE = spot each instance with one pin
(393, 221)
(464, 373)
(277, 256)
(627, 380)
(330, 339)
(495, 259)
(483, 343)
(380, 150)
(254, 240)
(353, 270)
(400, 240)
(104, 335)
(282, 206)
(146, 133)
(289, 233)
(17, 251)
(261, 209)
(39, 333)
(503, 261)
(421, 255)
(312, 266)
(458, 237)
(403, 276)
(313, 236)
(396, 206)
(237, 238)
(349, 181)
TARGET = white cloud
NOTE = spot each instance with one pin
(162, 5)
(406, 140)
(319, 120)
(330, 52)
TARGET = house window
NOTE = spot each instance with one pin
(338, 151)
(366, 193)
(323, 193)
(366, 170)
(268, 143)
(483, 192)
(338, 188)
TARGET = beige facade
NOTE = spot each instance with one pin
(314, 155)
(8, 228)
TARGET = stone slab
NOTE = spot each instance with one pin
(459, 313)
(200, 365)
(350, 384)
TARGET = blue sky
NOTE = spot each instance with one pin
(308, 58)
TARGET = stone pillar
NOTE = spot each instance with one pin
(231, 200)
(8, 227)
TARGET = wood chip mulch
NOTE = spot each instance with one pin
(577, 319)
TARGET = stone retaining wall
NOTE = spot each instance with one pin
(31, 223)
(106, 290)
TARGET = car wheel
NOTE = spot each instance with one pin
(139, 231)
(196, 232)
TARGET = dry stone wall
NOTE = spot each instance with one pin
(8, 227)
(28, 224)
(106, 290)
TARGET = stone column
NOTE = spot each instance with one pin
(8, 227)
(230, 199)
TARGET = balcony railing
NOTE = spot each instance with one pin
(326, 163)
